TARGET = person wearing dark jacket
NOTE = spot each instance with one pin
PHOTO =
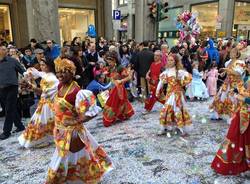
(83, 68)
(28, 59)
(9, 67)
(92, 57)
(34, 45)
(142, 64)
(186, 63)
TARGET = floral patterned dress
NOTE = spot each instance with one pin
(90, 162)
(233, 156)
(40, 127)
(173, 113)
(117, 105)
(224, 102)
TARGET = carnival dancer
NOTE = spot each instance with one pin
(224, 101)
(40, 127)
(153, 78)
(174, 113)
(117, 105)
(233, 156)
(78, 158)
(197, 88)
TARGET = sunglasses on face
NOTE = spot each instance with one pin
(49, 42)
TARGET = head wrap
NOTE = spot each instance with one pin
(64, 64)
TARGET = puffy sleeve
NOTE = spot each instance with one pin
(163, 80)
(197, 73)
(49, 85)
(185, 77)
(85, 103)
(34, 72)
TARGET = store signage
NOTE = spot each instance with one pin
(244, 27)
(169, 34)
(116, 14)
(221, 34)
(117, 24)
(218, 25)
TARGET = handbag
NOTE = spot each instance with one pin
(103, 97)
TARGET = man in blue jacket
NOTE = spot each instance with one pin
(53, 50)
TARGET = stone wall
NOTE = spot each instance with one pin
(43, 19)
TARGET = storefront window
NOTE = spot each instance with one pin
(5, 23)
(242, 20)
(207, 16)
(123, 2)
(74, 22)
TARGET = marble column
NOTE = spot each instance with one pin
(100, 17)
(149, 24)
(108, 19)
(130, 19)
(139, 18)
(43, 21)
(19, 23)
(225, 11)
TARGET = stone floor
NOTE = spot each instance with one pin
(139, 155)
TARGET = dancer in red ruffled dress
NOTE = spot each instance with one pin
(117, 105)
(233, 156)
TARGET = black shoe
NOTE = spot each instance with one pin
(19, 130)
(216, 119)
(4, 136)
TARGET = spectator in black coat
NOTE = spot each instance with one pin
(34, 45)
(143, 61)
(92, 57)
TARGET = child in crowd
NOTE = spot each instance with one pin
(212, 77)
(197, 88)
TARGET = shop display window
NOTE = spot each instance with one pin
(5, 23)
(74, 22)
(241, 28)
(207, 16)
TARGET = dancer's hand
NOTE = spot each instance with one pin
(157, 94)
(240, 97)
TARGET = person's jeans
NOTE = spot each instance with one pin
(8, 96)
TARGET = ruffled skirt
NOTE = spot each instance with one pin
(40, 128)
(174, 113)
(87, 165)
(117, 106)
(233, 156)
